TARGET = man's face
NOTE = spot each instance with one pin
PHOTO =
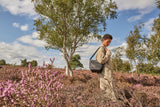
(107, 42)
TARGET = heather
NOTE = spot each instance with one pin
(41, 86)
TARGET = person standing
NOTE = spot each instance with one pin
(103, 56)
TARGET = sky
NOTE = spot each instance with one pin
(18, 38)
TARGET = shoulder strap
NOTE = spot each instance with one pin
(95, 53)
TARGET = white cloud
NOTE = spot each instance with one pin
(24, 27)
(148, 25)
(88, 49)
(59, 60)
(14, 52)
(124, 45)
(16, 25)
(142, 6)
(18, 7)
(135, 18)
(117, 40)
(134, 4)
(32, 40)
(140, 15)
(35, 35)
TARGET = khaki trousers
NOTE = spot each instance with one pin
(107, 84)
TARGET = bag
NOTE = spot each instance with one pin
(94, 65)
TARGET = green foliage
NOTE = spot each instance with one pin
(158, 3)
(71, 20)
(135, 46)
(125, 66)
(148, 68)
(75, 62)
(122, 66)
(24, 63)
(140, 48)
(2, 62)
(50, 66)
(33, 63)
(117, 64)
(154, 43)
(67, 24)
(116, 59)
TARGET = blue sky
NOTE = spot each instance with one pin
(18, 38)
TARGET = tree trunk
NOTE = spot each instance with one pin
(135, 65)
(70, 71)
(131, 67)
(137, 69)
(116, 67)
(67, 58)
(68, 68)
(138, 72)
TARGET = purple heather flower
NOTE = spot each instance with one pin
(29, 66)
(46, 97)
(44, 63)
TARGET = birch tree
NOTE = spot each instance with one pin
(116, 58)
(65, 25)
(154, 42)
(135, 50)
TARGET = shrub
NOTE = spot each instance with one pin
(126, 66)
(33, 63)
(24, 63)
(149, 68)
(36, 88)
(2, 62)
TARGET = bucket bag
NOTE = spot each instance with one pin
(94, 65)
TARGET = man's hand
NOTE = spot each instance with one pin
(108, 52)
(107, 49)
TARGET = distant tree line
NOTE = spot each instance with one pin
(24, 63)
(75, 62)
